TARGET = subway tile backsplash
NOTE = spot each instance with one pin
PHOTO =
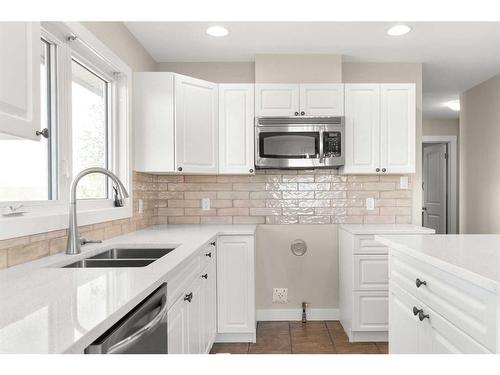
(268, 197)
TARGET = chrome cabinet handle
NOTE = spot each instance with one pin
(384, 170)
(212, 243)
(208, 255)
(302, 113)
(251, 170)
(296, 113)
(419, 282)
(416, 310)
(188, 297)
(377, 170)
(422, 316)
(130, 340)
(179, 169)
(205, 276)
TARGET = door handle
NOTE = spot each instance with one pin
(130, 340)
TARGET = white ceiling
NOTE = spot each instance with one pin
(455, 55)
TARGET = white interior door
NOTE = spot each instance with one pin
(434, 187)
(20, 79)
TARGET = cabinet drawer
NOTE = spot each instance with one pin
(182, 279)
(466, 306)
(371, 272)
(370, 311)
(366, 244)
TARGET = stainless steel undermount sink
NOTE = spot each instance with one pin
(117, 258)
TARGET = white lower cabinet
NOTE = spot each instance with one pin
(213, 297)
(236, 289)
(364, 279)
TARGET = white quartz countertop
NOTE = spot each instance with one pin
(45, 309)
(472, 257)
(385, 228)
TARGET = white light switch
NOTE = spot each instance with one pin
(403, 182)
(140, 207)
(205, 204)
(370, 203)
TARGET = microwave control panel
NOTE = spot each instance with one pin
(332, 144)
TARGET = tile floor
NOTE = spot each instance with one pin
(316, 337)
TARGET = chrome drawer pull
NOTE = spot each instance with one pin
(419, 283)
(188, 297)
(205, 276)
(208, 255)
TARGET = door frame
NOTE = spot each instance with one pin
(452, 170)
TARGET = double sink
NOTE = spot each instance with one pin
(116, 258)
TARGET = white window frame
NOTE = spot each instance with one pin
(49, 215)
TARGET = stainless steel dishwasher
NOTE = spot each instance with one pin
(142, 331)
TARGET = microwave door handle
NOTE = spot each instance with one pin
(321, 151)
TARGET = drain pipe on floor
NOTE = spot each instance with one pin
(304, 313)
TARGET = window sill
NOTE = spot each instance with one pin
(30, 224)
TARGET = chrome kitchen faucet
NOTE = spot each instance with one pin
(74, 240)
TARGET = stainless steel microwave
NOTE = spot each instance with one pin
(299, 142)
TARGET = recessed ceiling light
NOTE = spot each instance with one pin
(454, 105)
(398, 30)
(217, 31)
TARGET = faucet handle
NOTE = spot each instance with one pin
(84, 241)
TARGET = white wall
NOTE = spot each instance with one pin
(480, 158)
(395, 73)
(311, 278)
(306, 68)
(440, 127)
(220, 72)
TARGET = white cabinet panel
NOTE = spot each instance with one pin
(236, 129)
(397, 127)
(178, 328)
(371, 311)
(208, 279)
(196, 125)
(371, 272)
(362, 128)
(236, 284)
(194, 318)
(276, 99)
(154, 122)
(20, 79)
(322, 99)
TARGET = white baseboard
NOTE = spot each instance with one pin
(236, 337)
(296, 314)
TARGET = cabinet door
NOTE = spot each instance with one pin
(236, 129)
(322, 99)
(194, 318)
(20, 79)
(196, 124)
(209, 306)
(397, 128)
(178, 328)
(154, 116)
(370, 311)
(276, 99)
(236, 284)
(405, 330)
(362, 128)
(442, 337)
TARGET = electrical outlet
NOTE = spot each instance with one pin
(140, 207)
(280, 295)
(403, 182)
(370, 203)
(205, 204)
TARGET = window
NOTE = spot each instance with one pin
(90, 129)
(27, 170)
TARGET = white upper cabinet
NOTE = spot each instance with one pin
(276, 99)
(154, 122)
(362, 128)
(380, 128)
(308, 99)
(397, 127)
(236, 129)
(322, 99)
(20, 79)
(196, 125)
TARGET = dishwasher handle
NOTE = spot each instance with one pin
(130, 340)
